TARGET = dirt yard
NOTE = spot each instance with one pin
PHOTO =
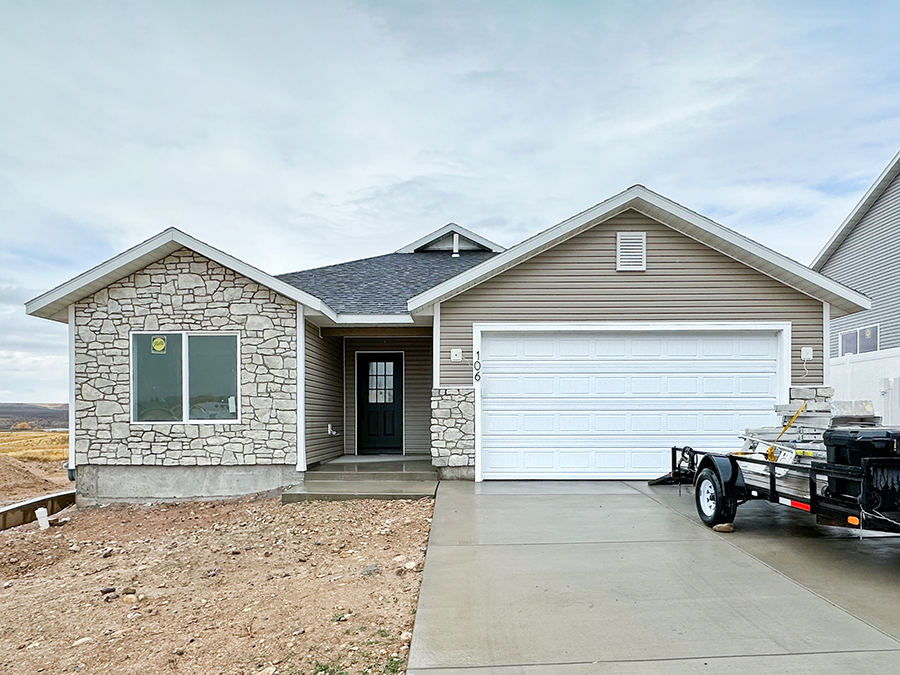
(31, 464)
(235, 587)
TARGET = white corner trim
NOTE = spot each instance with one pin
(476, 355)
(635, 197)
(436, 348)
(826, 344)
(71, 321)
(301, 389)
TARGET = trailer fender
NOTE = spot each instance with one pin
(729, 472)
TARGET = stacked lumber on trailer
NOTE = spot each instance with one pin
(815, 418)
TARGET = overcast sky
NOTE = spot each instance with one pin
(294, 134)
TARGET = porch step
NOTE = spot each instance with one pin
(334, 490)
(376, 470)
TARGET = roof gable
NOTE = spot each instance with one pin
(53, 304)
(689, 223)
(874, 193)
(442, 240)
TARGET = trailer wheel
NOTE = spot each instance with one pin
(714, 504)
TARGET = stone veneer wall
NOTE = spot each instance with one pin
(186, 291)
(453, 432)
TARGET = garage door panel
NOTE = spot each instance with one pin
(559, 385)
(600, 367)
(611, 406)
(619, 347)
(600, 429)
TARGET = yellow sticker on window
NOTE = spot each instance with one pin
(158, 344)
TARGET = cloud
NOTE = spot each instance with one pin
(303, 134)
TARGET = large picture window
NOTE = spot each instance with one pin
(184, 377)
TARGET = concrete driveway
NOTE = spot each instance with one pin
(610, 577)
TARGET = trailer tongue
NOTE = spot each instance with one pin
(857, 486)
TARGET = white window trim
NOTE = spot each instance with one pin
(629, 268)
(185, 398)
(781, 328)
(856, 330)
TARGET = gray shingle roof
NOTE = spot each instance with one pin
(383, 284)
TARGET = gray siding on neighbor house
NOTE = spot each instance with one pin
(867, 262)
(324, 396)
(417, 381)
(577, 281)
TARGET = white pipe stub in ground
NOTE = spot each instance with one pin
(43, 520)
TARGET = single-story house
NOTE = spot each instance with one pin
(584, 352)
(865, 346)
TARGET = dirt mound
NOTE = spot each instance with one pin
(20, 481)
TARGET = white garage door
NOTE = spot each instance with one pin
(610, 405)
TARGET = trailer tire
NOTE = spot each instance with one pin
(714, 503)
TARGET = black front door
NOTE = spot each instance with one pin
(379, 404)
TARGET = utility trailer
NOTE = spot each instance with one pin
(857, 492)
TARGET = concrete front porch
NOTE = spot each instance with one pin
(369, 477)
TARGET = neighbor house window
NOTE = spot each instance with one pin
(859, 341)
(184, 377)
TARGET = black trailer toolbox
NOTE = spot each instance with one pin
(850, 445)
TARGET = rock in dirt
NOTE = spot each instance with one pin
(128, 590)
(369, 570)
(82, 641)
(107, 589)
(724, 527)
(8, 584)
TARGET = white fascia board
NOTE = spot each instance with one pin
(872, 194)
(376, 319)
(446, 229)
(634, 197)
(52, 304)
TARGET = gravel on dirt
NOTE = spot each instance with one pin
(233, 587)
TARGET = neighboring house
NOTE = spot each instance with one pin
(865, 347)
(584, 352)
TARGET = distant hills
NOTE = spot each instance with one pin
(43, 415)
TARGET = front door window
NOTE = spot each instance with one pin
(381, 382)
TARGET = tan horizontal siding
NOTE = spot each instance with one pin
(577, 281)
(324, 396)
(416, 388)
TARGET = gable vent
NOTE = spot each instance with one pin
(631, 251)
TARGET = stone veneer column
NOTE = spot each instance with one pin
(453, 433)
